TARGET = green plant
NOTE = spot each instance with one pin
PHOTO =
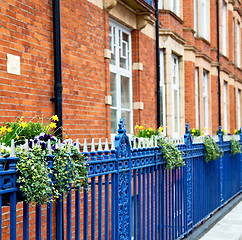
(34, 179)
(39, 182)
(140, 131)
(196, 132)
(212, 150)
(171, 154)
(235, 146)
(21, 130)
(236, 132)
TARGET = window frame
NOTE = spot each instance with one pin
(225, 106)
(205, 101)
(197, 96)
(162, 84)
(224, 28)
(175, 87)
(238, 44)
(119, 72)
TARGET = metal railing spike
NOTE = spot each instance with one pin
(139, 143)
(100, 145)
(26, 145)
(59, 143)
(85, 150)
(12, 149)
(93, 146)
(106, 145)
(49, 147)
(112, 147)
(77, 145)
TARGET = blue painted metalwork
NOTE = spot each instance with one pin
(132, 194)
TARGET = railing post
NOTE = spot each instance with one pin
(123, 203)
(189, 164)
(221, 178)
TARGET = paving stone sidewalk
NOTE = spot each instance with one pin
(228, 228)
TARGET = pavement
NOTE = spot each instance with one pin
(228, 228)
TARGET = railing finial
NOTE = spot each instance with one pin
(121, 126)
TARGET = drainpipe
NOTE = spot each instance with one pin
(218, 67)
(58, 93)
(57, 65)
(157, 61)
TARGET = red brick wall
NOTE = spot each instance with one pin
(190, 102)
(26, 31)
(144, 82)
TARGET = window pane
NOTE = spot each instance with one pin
(112, 44)
(176, 106)
(124, 51)
(161, 107)
(113, 89)
(114, 124)
(125, 93)
(126, 116)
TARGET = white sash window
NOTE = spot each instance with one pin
(120, 76)
(162, 92)
(225, 107)
(175, 97)
(205, 100)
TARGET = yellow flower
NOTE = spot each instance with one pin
(53, 125)
(222, 130)
(17, 137)
(150, 129)
(21, 119)
(141, 127)
(235, 130)
(202, 135)
(136, 126)
(9, 129)
(23, 124)
(3, 129)
(148, 132)
(160, 129)
(204, 128)
(55, 118)
(66, 136)
(193, 130)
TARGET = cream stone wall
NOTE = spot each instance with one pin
(203, 63)
(238, 86)
(98, 3)
(170, 47)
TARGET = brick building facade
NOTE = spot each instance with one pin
(109, 64)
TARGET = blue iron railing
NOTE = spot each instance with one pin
(131, 195)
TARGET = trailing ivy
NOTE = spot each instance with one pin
(171, 154)
(212, 150)
(39, 182)
(34, 179)
(235, 146)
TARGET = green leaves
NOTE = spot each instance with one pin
(212, 150)
(235, 147)
(35, 176)
(171, 154)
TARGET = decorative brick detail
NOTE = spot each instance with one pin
(138, 66)
(107, 53)
(138, 105)
(108, 100)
